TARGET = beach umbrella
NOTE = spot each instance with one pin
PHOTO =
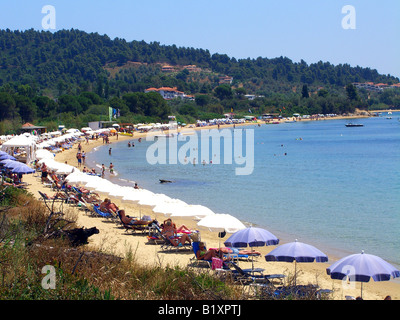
(253, 237)
(103, 185)
(7, 162)
(65, 168)
(195, 211)
(22, 168)
(43, 153)
(221, 222)
(362, 267)
(168, 207)
(77, 177)
(297, 252)
(7, 157)
(153, 199)
(120, 191)
(17, 167)
(95, 182)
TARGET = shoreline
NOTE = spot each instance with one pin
(115, 239)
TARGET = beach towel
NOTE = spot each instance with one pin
(216, 263)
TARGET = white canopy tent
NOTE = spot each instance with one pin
(27, 144)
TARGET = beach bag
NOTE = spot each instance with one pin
(216, 263)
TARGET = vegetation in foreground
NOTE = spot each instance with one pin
(27, 229)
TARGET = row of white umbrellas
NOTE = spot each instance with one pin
(160, 203)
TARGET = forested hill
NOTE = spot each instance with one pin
(74, 58)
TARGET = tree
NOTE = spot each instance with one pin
(27, 109)
(223, 92)
(351, 92)
(304, 91)
(7, 106)
(202, 99)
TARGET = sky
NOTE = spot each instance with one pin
(311, 30)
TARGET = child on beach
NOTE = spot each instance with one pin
(111, 168)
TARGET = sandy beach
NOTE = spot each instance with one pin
(114, 239)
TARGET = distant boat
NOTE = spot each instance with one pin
(354, 125)
(165, 181)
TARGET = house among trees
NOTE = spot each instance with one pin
(225, 80)
(192, 68)
(169, 93)
(167, 68)
(378, 87)
(32, 129)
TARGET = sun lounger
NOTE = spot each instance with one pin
(101, 213)
(255, 275)
(139, 225)
(45, 197)
(194, 262)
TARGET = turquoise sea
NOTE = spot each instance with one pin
(337, 188)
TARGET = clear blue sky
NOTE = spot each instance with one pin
(309, 29)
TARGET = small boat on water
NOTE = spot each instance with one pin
(165, 181)
(354, 125)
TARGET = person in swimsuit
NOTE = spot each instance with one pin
(204, 254)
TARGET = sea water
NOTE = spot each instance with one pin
(320, 182)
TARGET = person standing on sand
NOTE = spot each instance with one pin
(79, 157)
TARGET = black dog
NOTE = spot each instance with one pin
(79, 236)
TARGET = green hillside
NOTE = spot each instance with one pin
(73, 76)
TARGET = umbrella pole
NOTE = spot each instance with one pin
(295, 271)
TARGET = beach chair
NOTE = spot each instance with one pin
(45, 197)
(299, 292)
(140, 225)
(155, 236)
(100, 213)
(253, 276)
(194, 262)
(169, 246)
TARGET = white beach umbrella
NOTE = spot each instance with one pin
(120, 191)
(221, 222)
(65, 168)
(193, 211)
(169, 207)
(43, 153)
(105, 187)
(93, 182)
(133, 196)
(153, 199)
(76, 177)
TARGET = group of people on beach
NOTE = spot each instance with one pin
(80, 156)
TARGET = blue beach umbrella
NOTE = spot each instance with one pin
(362, 267)
(7, 157)
(297, 252)
(22, 169)
(8, 163)
(17, 167)
(253, 237)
